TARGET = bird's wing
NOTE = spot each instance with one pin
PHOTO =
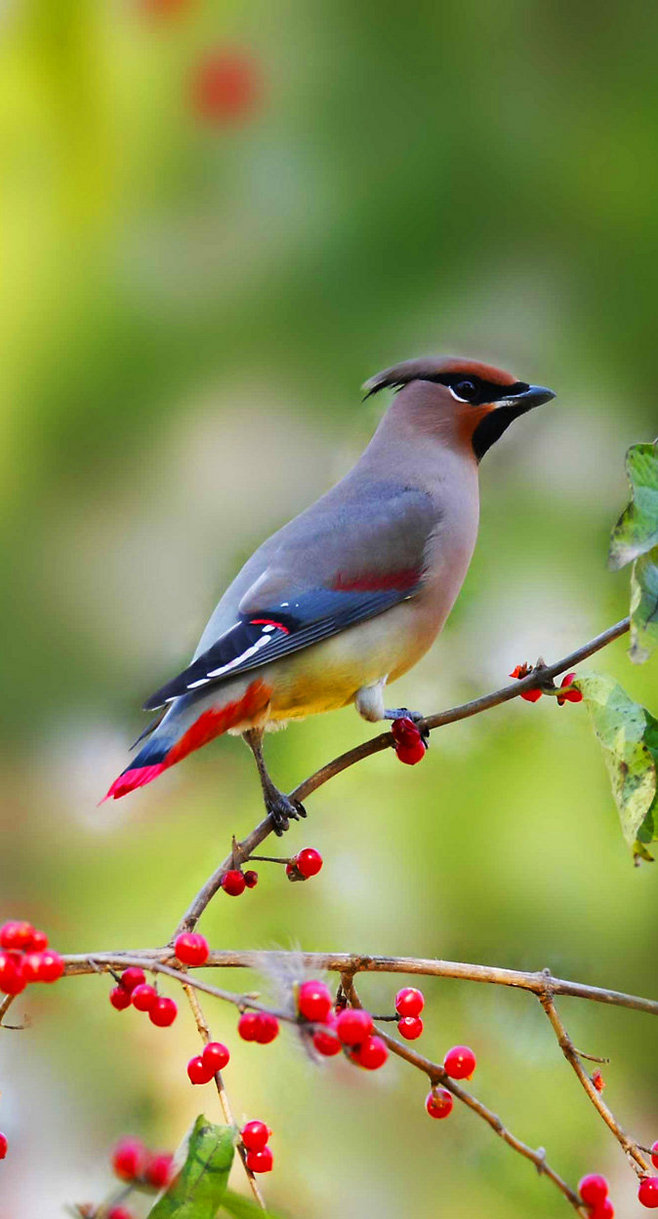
(331, 568)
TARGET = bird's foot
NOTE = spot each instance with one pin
(282, 809)
(403, 713)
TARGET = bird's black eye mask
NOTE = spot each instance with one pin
(474, 390)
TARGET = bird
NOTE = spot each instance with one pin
(352, 592)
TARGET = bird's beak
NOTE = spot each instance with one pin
(527, 400)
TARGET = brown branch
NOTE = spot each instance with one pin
(242, 851)
(631, 1148)
(204, 1032)
(437, 1074)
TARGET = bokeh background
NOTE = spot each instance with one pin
(216, 220)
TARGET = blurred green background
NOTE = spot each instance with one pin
(191, 293)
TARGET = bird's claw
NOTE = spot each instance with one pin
(282, 809)
(399, 713)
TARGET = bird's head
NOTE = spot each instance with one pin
(476, 401)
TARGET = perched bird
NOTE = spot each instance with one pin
(351, 593)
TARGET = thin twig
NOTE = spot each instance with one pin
(243, 850)
(638, 1162)
(204, 1032)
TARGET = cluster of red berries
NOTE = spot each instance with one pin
(567, 693)
(459, 1063)
(409, 1003)
(234, 882)
(350, 1029)
(304, 864)
(261, 1027)
(255, 1137)
(25, 957)
(136, 1165)
(133, 990)
(409, 744)
(593, 1190)
(205, 1066)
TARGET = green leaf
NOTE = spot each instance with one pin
(199, 1189)
(628, 735)
(636, 531)
(243, 1208)
(644, 606)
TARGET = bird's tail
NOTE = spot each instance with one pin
(190, 723)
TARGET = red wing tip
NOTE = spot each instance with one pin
(131, 779)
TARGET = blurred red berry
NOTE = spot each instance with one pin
(129, 1159)
(120, 998)
(654, 1154)
(439, 1103)
(143, 997)
(460, 1062)
(410, 1027)
(251, 878)
(308, 862)
(266, 1028)
(603, 1210)
(371, 1054)
(12, 978)
(233, 883)
(39, 941)
(569, 693)
(120, 1212)
(164, 1012)
(191, 948)
(247, 1026)
(314, 1001)
(132, 977)
(16, 936)
(3, 1145)
(215, 1056)
(409, 1001)
(199, 1072)
(260, 1161)
(159, 1171)
(411, 754)
(226, 87)
(648, 1192)
(593, 1189)
(598, 1081)
(51, 966)
(353, 1025)
(255, 1135)
(326, 1043)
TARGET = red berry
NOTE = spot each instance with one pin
(593, 1189)
(143, 997)
(251, 879)
(247, 1025)
(410, 1027)
(326, 1043)
(353, 1025)
(39, 941)
(604, 1210)
(266, 1028)
(132, 977)
(460, 1062)
(3, 1145)
(371, 1054)
(439, 1103)
(199, 1071)
(119, 998)
(233, 883)
(411, 754)
(255, 1135)
(16, 936)
(291, 871)
(409, 1001)
(648, 1192)
(120, 1212)
(654, 1154)
(12, 978)
(159, 1170)
(191, 948)
(51, 966)
(31, 965)
(314, 1001)
(598, 1081)
(215, 1056)
(260, 1161)
(308, 861)
(164, 1012)
(226, 87)
(404, 731)
(129, 1159)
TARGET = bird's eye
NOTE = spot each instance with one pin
(465, 391)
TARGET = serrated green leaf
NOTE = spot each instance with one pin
(644, 606)
(198, 1190)
(628, 735)
(636, 531)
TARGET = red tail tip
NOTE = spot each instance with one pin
(131, 779)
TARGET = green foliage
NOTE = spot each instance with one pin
(635, 539)
(199, 1189)
(243, 1208)
(628, 735)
